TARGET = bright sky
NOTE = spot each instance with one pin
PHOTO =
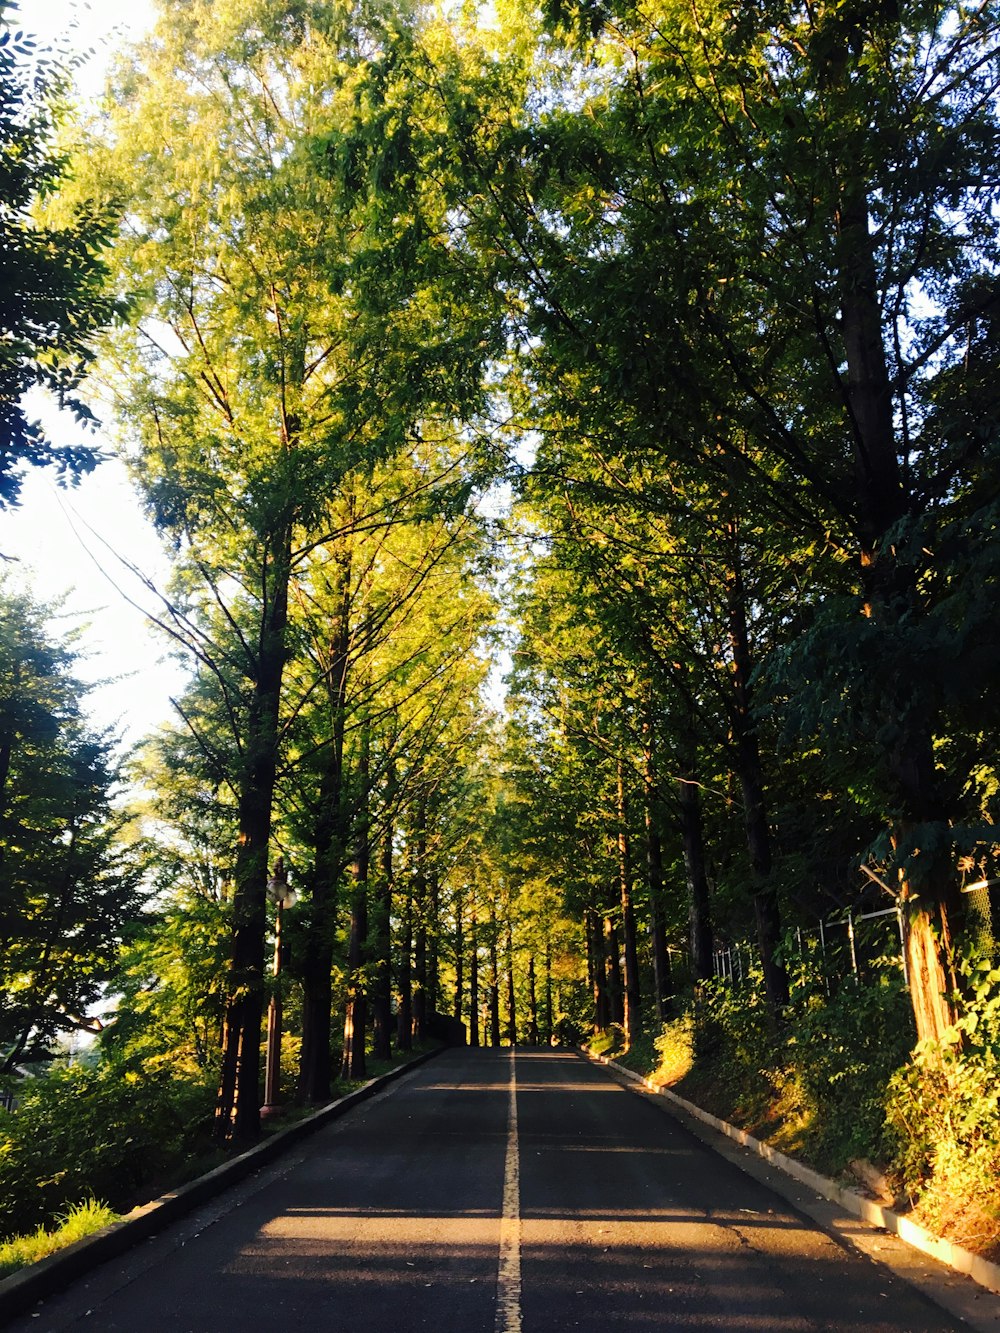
(64, 541)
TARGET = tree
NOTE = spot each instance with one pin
(284, 372)
(54, 293)
(69, 882)
(793, 207)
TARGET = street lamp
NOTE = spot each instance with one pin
(281, 893)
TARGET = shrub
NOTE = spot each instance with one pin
(110, 1132)
(843, 1050)
(944, 1108)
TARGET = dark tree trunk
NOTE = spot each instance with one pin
(532, 1004)
(613, 957)
(662, 979)
(548, 994)
(693, 844)
(382, 954)
(632, 1007)
(356, 1017)
(598, 968)
(433, 942)
(404, 1004)
(511, 1003)
(420, 913)
(473, 980)
(494, 982)
(238, 1107)
(927, 885)
(459, 957)
(329, 844)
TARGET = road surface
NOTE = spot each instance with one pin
(491, 1193)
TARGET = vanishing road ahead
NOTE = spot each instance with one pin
(454, 1203)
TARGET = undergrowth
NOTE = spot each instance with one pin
(81, 1220)
(839, 1081)
(122, 1130)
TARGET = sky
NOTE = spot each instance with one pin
(66, 544)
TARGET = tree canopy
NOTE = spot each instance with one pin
(646, 354)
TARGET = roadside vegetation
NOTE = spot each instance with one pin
(80, 1221)
(837, 1088)
(647, 356)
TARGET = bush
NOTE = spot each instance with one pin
(112, 1132)
(674, 1049)
(815, 1086)
(944, 1108)
(843, 1050)
(736, 1057)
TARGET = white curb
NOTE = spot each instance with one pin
(981, 1270)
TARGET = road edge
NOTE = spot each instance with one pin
(47, 1276)
(977, 1305)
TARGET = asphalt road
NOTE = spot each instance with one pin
(446, 1203)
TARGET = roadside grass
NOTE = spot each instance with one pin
(83, 1219)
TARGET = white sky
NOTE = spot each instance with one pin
(61, 541)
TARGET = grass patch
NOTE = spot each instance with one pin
(83, 1219)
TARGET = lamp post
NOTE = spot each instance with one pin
(281, 893)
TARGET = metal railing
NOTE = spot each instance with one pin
(831, 942)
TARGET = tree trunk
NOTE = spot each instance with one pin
(532, 1004)
(382, 953)
(632, 1008)
(494, 980)
(549, 1028)
(692, 840)
(420, 914)
(237, 1114)
(473, 980)
(511, 1004)
(662, 980)
(459, 957)
(404, 1008)
(928, 893)
(329, 846)
(598, 971)
(613, 957)
(356, 1018)
(433, 942)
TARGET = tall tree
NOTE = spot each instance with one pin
(54, 284)
(69, 879)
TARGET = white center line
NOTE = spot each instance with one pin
(509, 1268)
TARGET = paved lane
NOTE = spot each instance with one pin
(600, 1212)
(626, 1219)
(388, 1219)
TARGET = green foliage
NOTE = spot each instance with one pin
(674, 1046)
(80, 1221)
(844, 1050)
(737, 1060)
(818, 1086)
(170, 1003)
(69, 875)
(944, 1109)
(53, 275)
(114, 1131)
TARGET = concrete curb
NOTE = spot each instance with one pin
(49, 1275)
(984, 1272)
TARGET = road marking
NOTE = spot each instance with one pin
(509, 1268)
